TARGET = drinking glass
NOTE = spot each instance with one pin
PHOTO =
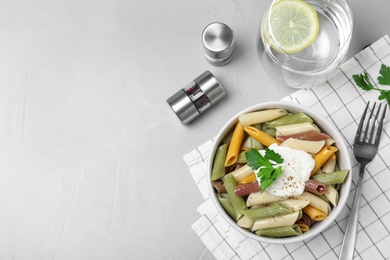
(316, 63)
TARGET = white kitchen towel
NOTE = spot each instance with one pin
(342, 103)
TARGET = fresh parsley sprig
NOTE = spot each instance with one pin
(363, 81)
(268, 166)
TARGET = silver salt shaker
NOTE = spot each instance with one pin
(218, 43)
(196, 97)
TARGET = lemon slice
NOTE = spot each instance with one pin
(294, 25)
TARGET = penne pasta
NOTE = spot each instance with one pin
(246, 189)
(218, 170)
(267, 211)
(248, 179)
(304, 145)
(309, 136)
(241, 173)
(259, 198)
(331, 177)
(293, 230)
(294, 129)
(261, 136)
(330, 141)
(314, 213)
(305, 222)
(245, 222)
(294, 204)
(315, 187)
(251, 142)
(322, 156)
(332, 195)
(235, 145)
(315, 201)
(297, 118)
(276, 221)
(241, 158)
(261, 116)
(237, 202)
(218, 186)
(225, 203)
(330, 164)
(304, 227)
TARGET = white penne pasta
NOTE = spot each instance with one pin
(329, 165)
(315, 201)
(294, 204)
(245, 222)
(304, 145)
(242, 173)
(259, 198)
(246, 143)
(293, 129)
(261, 116)
(329, 141)
(332, 195)
(276, 221)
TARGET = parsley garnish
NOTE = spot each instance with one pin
(364, 82)
(268, 167)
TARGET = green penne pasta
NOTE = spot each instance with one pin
(251, 142)
(322, 196)
(225, 203)
(218, 170)
(300, 214)
(271, 131)
(245, 222)
(267, 211)
(331, 177)
(293, 230)
(241, 158)
(337, 186)
(237, 202)
(255, 144)
(290, 119)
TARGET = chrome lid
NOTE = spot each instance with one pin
(218, 43)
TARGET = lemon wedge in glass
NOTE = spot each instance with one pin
(294, 25)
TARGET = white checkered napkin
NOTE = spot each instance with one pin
(342, 103)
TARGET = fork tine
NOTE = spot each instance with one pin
(365, 134)
(360, 127)
(378, 133)
(373, 122)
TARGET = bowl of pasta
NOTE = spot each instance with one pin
(279, 172)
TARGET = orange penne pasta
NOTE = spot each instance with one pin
(322, 156)
(248, 179)
(261, 136)
(304, 227)
(235, 145)
(314, 213)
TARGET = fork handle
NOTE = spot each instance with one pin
(349, 241)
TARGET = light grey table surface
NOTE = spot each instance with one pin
(90, 153)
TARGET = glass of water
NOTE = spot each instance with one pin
(302, 42)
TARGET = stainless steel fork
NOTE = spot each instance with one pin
(365, 148)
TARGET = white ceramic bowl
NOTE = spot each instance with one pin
(344, 162)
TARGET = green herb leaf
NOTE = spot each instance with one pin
(385, 94)
(255, 160)
(267, 166)
(384, 79)
(363, 81)
(272, 155)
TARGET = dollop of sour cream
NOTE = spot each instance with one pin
(297, 166)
